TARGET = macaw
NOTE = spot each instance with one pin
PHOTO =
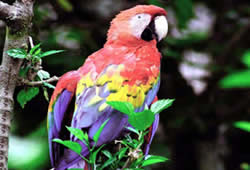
(127, 69)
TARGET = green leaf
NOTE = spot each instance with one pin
(47, 53)
(138, 162)
(128, 140)
(49, 85)
(136, 142)
(93, 155)
(107, 153)
(161, 105)
(43, 74)
(74, 146)
(45, 93)
(246, 58)
(151, 159)
(245, 166)
(244, 125)
(86, 137)
(238, 79)
(37, 53)
(133, 130)
(155, 2)
(122, 152)
(34, 49)
(142, 120)
(99, 131)
(124, 107)
(183, 14)
(26, 95)
(66, 5)
(17, 53)
(35, 59)
(78, 133)
(108, 162)
(23, 71)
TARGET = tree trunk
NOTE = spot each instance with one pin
(18, 20)
(211, 153)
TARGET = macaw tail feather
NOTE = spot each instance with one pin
(149, 137)
(71, 160)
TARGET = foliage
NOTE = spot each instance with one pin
(141, 120)
(130, 149)
(183, 14)
(31, 70)
(245, 166)
(66, 5)
(29, 152)
(244, 125)
(238, 79)
(80, 33)
(26, 95)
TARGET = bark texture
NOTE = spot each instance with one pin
(18, 20)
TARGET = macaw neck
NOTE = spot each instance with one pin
(122, 52)
(143, 56)
(128, 41)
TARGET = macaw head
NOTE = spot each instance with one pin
(140, 24)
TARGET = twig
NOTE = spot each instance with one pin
(127, 163)
(39, 83)
(31, 42)
(133, 155)
(235, 38)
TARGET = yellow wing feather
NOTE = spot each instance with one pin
(119, 91)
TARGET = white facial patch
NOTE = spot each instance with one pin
(138, 23)
(161, 27)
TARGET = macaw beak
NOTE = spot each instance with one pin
(157, 29)
(161, 27)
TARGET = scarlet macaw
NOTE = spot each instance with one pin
(127, 68)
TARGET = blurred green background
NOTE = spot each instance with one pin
(205, 67)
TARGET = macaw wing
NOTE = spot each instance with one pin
(59, 112)
(91, 109)
(112, 85)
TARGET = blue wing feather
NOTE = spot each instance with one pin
(55, 120)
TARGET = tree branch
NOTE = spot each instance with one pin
(5, 11)
(230, 45)
(39, 83)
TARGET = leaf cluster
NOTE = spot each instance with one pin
(238, 79)
(31, 70)
(141, 120)
(130, 153)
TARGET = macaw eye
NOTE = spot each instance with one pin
(138, 23)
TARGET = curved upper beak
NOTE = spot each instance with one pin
(161, 27)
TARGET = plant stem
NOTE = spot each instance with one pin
(127, 163)
(84, 158)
